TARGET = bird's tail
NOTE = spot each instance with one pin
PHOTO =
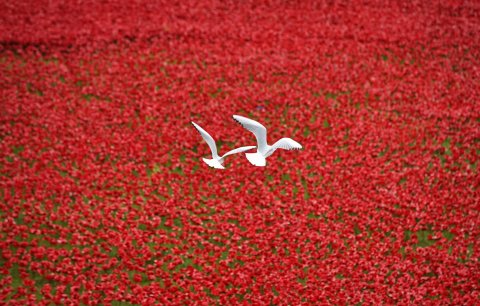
(256, 159)
(213, 163)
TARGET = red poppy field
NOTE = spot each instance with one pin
(105, 198)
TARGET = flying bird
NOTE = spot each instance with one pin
(263, 149)
(217, 161)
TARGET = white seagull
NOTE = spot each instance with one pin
(217, 161)
(263, 149)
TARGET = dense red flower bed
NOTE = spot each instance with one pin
(104, 197)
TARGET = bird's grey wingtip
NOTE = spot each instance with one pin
(196, 126)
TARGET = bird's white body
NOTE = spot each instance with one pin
(217, 161)
(256, 159)
(214, 163)
(264, 150)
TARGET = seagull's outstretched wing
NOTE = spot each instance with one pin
(256, 128)
(208, 139)
(286, 144)
(238, 150)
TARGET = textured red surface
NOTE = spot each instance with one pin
(104, 197)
